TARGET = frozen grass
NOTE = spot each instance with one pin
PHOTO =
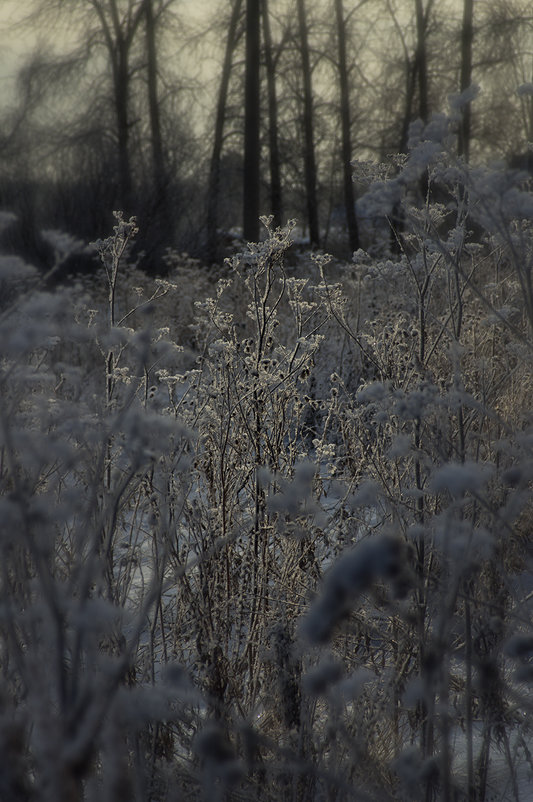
(269, 537)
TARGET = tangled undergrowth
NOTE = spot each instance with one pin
(270, 538)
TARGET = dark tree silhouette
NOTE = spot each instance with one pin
(119, 32)
(213, 189)
(349, 194)
(308, 128)
(252, 146)
(273, 140)
(467, 38)
(158, 157)
(422, 17)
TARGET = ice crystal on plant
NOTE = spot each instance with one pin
(459, 101)
(13, 268)
(459, 478)
(374, 558)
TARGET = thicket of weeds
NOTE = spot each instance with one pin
(276, 544)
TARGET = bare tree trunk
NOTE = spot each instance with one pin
(158, 159)
(118, 36)
(161, 217)
(411, 71)
(397, 218)
(216, 153)
(421, 58)
(275, 171)
(349, 194)
(309, 153)
(251, 123)
(121, 80)
(467, 38)
(410, 88)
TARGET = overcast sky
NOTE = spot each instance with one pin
(16, 40)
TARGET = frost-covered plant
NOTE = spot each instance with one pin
(292, 559)
(82, 560)
(162, 522)
(432, 440)
(254, 517)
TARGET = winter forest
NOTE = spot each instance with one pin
(266, 384)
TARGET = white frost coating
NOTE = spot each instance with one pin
(372, 392)
(371, 559)
(401, 446)
(459, 101)
(366, 495)
(64, 244)
(458, 478)
(13, 268)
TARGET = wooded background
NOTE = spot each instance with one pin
(199, 123)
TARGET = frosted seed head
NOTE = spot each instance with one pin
(374, 558)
